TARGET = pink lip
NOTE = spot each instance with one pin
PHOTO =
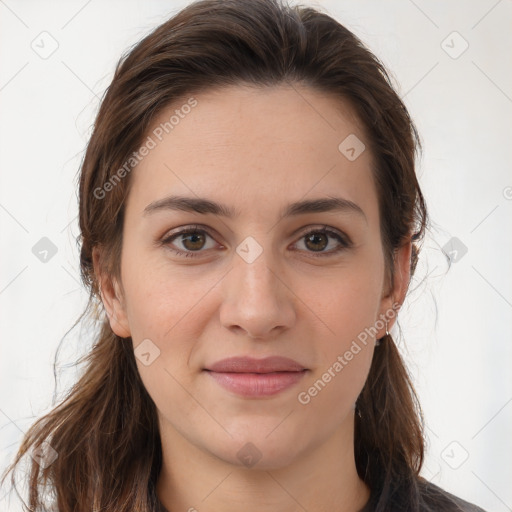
(250, 377)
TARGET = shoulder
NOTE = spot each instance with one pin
(433, 498)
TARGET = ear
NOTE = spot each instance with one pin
(111, 297)
(396, 296)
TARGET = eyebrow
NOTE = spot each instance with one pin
(205, 206)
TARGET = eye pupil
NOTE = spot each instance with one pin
(314, 237)
(193, 237)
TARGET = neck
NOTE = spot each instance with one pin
(322, 478)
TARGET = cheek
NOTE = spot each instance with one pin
(345, 353)
(161, 299)
(349, 300)
(348, 308)
(344, 356)
(334, 388)
(171, 309)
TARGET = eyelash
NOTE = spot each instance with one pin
(344, 241)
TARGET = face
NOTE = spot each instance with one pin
(269, 280)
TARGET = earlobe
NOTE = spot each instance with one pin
(111, 298)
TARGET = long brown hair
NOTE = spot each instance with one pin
(105, 431)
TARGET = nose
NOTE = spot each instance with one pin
(257, 301)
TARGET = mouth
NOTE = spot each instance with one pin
(249, 377)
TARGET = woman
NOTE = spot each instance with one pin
(250, 219)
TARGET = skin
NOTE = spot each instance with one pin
(255, 150)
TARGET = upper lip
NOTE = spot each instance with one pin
(252, 365)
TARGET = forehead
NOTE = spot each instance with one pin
(249, 147)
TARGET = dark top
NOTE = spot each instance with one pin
(431, 497)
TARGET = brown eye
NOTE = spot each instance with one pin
(188, 241)
(316, 241)
(193, 241)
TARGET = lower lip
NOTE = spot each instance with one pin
(257, 384)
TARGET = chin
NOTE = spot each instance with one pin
(259, 449)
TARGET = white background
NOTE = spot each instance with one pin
(456, 325)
